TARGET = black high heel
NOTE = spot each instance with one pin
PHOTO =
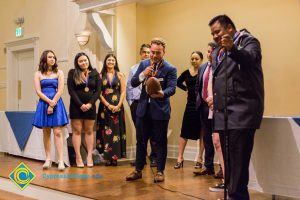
(111, 163)
(114, 163)
(178, 165)
(108, 163)
(198, 165)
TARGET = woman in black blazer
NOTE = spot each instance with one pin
(84, 87)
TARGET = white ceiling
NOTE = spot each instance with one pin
(97, 5)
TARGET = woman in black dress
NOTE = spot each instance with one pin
(191, 127)
(111, 137)
(84, 87)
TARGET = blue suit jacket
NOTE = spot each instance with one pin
(159, 108)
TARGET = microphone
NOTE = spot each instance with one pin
(154, 66)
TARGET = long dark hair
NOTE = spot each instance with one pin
(104, 68)
(77, 73)
(43, 66)
(199, 54)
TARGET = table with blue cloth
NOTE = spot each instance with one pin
(19, 137)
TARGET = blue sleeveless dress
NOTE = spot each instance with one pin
(59, 116)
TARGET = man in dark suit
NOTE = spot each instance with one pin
(245, 98)
(153, 112)
(202, 91)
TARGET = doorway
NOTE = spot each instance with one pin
(22, 62)
(26, 92)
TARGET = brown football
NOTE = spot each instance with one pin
(152, 85)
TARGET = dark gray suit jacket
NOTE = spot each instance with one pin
(245, 84)
(199, 85)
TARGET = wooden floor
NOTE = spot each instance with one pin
(180, 184)
(9, 195)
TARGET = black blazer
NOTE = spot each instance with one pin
(245, 84)
(77, 93)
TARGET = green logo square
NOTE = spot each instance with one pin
(22, 176)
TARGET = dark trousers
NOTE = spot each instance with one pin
(206, 126)
(133, 108)
(146, 128)
(240, 148)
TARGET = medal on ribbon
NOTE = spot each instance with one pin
(157, 67)
(87, 89)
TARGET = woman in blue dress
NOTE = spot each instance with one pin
(50, 110)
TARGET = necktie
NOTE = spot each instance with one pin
(205, 82)
(221, 53)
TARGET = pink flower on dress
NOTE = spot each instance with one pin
(98, 141)
(106, 149)
(115, 119)
(107, 91)
(115, 157)
(108, 131)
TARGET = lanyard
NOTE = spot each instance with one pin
(157, 67)
(86, 89)
(110, 83)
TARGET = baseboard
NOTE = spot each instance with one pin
(190, 153)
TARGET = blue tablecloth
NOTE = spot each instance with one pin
(297, 120)
(21, 124)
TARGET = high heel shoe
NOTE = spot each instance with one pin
(178, 165)
(89, 162)
(108, 163)
(111, 163)
(61, 165)
(79, 163)
(47, 164)
(198, 165)
(114, 163)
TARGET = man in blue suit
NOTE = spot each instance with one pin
(153, 112)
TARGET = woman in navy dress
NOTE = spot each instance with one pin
(84, 87)
(50, 111)
(191, 127)
(111, 137)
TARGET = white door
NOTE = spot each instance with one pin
(26, 92)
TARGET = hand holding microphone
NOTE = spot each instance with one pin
(227, 42)
(148, 71)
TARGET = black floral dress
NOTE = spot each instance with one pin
(111, 133)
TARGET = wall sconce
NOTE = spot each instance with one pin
(83, 37)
